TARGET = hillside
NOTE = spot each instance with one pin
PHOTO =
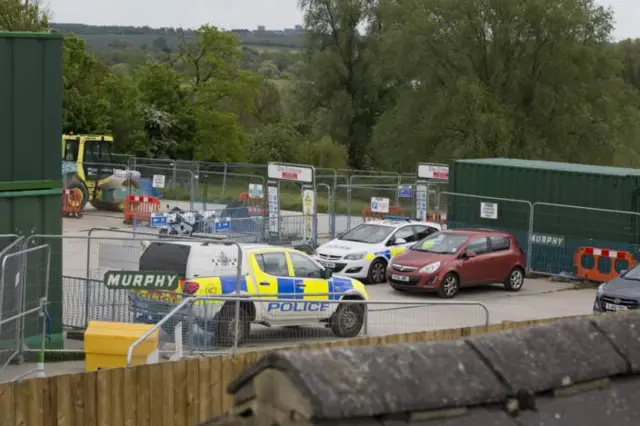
(98, 37)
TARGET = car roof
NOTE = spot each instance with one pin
(245, 247)
(477, 231)
(398, 223)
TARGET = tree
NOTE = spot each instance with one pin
(84, 109)
(18, 16)
(339, 85)
(528, 79)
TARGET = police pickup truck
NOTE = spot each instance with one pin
(289, 287)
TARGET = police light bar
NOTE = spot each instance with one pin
(391, 217)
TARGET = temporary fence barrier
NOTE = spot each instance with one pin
(211, 324)
(24, 286)
(476, 211)
(580, 242)
(72, 202)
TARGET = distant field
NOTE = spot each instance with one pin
(264, 48)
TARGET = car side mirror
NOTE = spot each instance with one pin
(470, 254)
(400, 241)
(327, 273)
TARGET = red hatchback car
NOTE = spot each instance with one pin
(448, 260)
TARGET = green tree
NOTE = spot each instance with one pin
(84, 109)
(16, 15)
(527, 79)
(339, 86)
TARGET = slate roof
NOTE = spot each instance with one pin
(577, 372)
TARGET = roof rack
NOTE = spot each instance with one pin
(392, 217)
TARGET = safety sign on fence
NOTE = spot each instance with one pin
(255, 190)
(308, 207)
(274, 208)
(222, 224)
(433, 171)
(158, 181)
(489, 210)
(158, 220)
(379, 205)
(405, 191)
(422, 202)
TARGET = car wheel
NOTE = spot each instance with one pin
(226, 327)
(515, 280)
(348, 320)
(377, 272)
(449, 286)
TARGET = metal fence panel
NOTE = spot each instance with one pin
(210, 324)
(24, 284)
(559, 231)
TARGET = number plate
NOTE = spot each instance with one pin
(400, 277)
(329, 264)
(612, 307)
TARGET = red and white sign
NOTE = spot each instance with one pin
(287, 172)
(433, 171)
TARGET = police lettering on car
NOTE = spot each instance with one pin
(298, 306)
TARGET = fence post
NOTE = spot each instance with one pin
(532, 208)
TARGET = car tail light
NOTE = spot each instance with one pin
(190, 287)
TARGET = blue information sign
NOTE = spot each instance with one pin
(405, 191)
(158, 220)
(223, 225)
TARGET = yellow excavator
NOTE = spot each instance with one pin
(88, 168)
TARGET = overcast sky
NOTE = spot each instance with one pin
(228, 14)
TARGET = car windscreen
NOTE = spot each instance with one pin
(368, 233)
(441, 242)
(165, 257)
(632, 274)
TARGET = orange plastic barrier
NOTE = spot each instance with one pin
(367, 214)
(139, 208)
(438, 218)
(595, 273)
(255, 205)
(72, 202)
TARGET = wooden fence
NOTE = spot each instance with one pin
(178, 393)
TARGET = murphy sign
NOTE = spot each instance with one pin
(135, 280)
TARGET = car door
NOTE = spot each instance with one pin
(308, 276)
(475, 270)
(501, 259)
(272, 274)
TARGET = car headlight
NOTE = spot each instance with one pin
(430, 268)
(601, 288)
(355, 256)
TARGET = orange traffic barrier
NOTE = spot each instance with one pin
(254, 205)
(438, 218)
(596, 270)
(140, 208)
(368, 215)
(72, 202)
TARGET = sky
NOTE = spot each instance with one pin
(229, 14)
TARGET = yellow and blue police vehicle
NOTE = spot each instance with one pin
(286, 287)
(364, 252)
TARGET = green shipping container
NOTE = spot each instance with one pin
(30, 110)
(557, 231)
(25, 213)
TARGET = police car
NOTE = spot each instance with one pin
(364, 251)
(284, 281)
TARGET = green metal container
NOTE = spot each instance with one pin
(557, 231)
(30, 110)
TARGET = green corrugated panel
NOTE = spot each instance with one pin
(542, 181)
(30, 109)
(38, 212)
